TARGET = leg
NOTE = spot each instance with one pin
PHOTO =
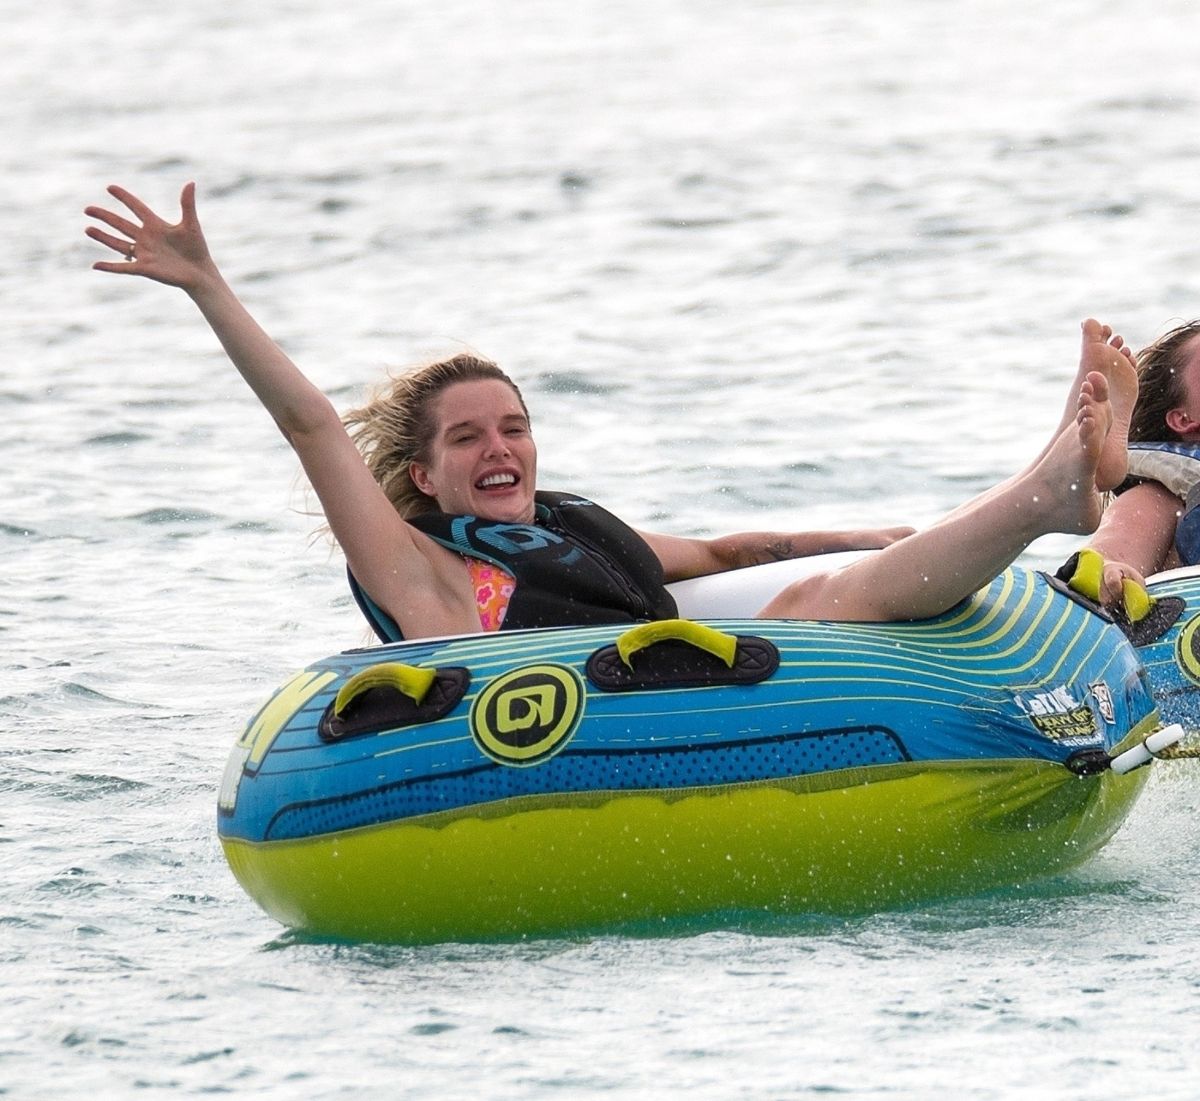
(930, 572)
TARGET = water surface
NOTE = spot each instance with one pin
(762, 265)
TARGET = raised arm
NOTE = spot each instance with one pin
(178, 256)
(683, 558)
(416, 581)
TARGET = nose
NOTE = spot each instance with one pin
(497, 444)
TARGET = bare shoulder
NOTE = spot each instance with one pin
(423, 586)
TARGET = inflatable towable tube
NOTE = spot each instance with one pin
(506, 785)
(1172, 659)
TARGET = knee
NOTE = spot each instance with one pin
(842, 596)
(807, 598)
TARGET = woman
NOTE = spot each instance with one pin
(470, 453)
(419, 427)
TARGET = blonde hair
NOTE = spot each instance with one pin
(397, 427)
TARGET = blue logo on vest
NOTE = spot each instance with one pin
(516, 538)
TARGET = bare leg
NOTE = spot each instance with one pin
(1105, 351)
(931, 571)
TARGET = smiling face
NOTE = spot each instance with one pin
(482, 459)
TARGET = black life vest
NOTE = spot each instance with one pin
(577, 564)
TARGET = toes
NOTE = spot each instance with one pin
(1093, 390)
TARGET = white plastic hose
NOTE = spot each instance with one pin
(1143, 754)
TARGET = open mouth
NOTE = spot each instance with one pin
(505, 480)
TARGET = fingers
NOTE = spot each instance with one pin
(128, 267)
(1110, 583)
(132, 201)
(126, 244)
(118, 221)
(187, 202)
(149, 220)
(1112, 589)
(117, 244)
(121, 225)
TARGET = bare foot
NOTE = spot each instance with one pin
(1068, 471)
(1104, 352)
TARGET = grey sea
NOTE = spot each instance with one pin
(773, 264)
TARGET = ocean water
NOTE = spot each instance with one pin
(768, 265)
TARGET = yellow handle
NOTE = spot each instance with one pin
(413, 682)
(1089, 572)
(1137, 601)
(1088, 575)
(703, 638)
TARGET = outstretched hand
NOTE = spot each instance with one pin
(175, 254)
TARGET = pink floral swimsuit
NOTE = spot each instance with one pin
(493, 590)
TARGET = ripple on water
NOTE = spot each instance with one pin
(77, 787)
(575, 382)
(116, 439)
(255, 526)
(160, 516)
(66, 697)
(432, 1028)
(20, 531)
(87, 785)
(70, 701)
(72, 882)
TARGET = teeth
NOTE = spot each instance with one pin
(497, 480)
